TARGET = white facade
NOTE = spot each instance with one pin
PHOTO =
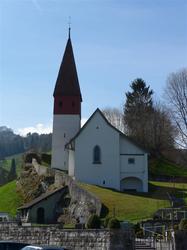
(122, 165)
(65, 127)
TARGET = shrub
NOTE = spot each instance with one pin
(94, 221)
(46, 158)
(183, 224)
(113, 223)
(106, 220)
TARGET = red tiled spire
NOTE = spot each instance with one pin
(67, 94)
(67, 83)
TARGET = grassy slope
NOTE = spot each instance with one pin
(134, 207)
(9, 199)
(164, 167)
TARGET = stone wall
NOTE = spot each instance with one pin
(72, 239)
(83, 203)
(181, 240)
(77, 193)
(41, 170)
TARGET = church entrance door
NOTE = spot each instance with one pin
(40, 215)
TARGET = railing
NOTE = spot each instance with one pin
(155, 244)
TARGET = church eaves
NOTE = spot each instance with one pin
(67, 83)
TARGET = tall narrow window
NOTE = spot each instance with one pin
(96, 155)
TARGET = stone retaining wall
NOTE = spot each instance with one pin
(72, 239)
(181, 240)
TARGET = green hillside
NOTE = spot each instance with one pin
(166, 168)
(9, 199)
(135, 206)
(6, 163)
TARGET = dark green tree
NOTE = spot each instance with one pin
(137, 109)
(12, 174)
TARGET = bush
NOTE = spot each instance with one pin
(94, 221)
(183, 224)
(113, 223)
(46, 158)
(29, 156)
(106, 220)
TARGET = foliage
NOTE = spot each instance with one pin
(183, 224)
(12, 174)
(106, 220)
(176, 94)
(137, 108)
(10, 199)
(146, 123)
(29, 156)
(113, 223)
(163, 167)
(46, 158)
(138, 230)
(94, 221)
(11, 143)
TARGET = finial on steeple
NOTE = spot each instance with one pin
(69, 23)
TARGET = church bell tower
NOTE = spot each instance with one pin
(67, 108)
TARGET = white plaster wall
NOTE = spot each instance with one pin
(64, 128)
(139, 169)
(71, 170)
(127, 147)
(98, 132)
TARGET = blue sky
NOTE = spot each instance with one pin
(114, 42)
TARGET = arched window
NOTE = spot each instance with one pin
(96, 155)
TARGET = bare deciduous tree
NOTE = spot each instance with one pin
(115, 117)
(176, 93)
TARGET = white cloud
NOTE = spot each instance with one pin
(41, 128)
(38, 128)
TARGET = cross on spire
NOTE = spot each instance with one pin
(69, 24)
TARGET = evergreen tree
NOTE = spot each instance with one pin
(12, 174)
(137, 109)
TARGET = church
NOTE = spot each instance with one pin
(98, 153)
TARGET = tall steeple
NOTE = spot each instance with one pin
(67, 108)
(67, 83)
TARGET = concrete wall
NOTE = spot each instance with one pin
(72, 239)
(64, 128)
(106, 173)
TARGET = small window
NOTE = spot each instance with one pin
(104, 182)
(60, 104)
(97, 155)
(131, 160)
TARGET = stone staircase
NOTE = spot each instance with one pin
(143, 246)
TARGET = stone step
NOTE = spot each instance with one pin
(143, 246)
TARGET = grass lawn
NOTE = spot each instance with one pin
(135, 206)
(9, 199)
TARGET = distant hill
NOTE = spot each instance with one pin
(11, 143)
